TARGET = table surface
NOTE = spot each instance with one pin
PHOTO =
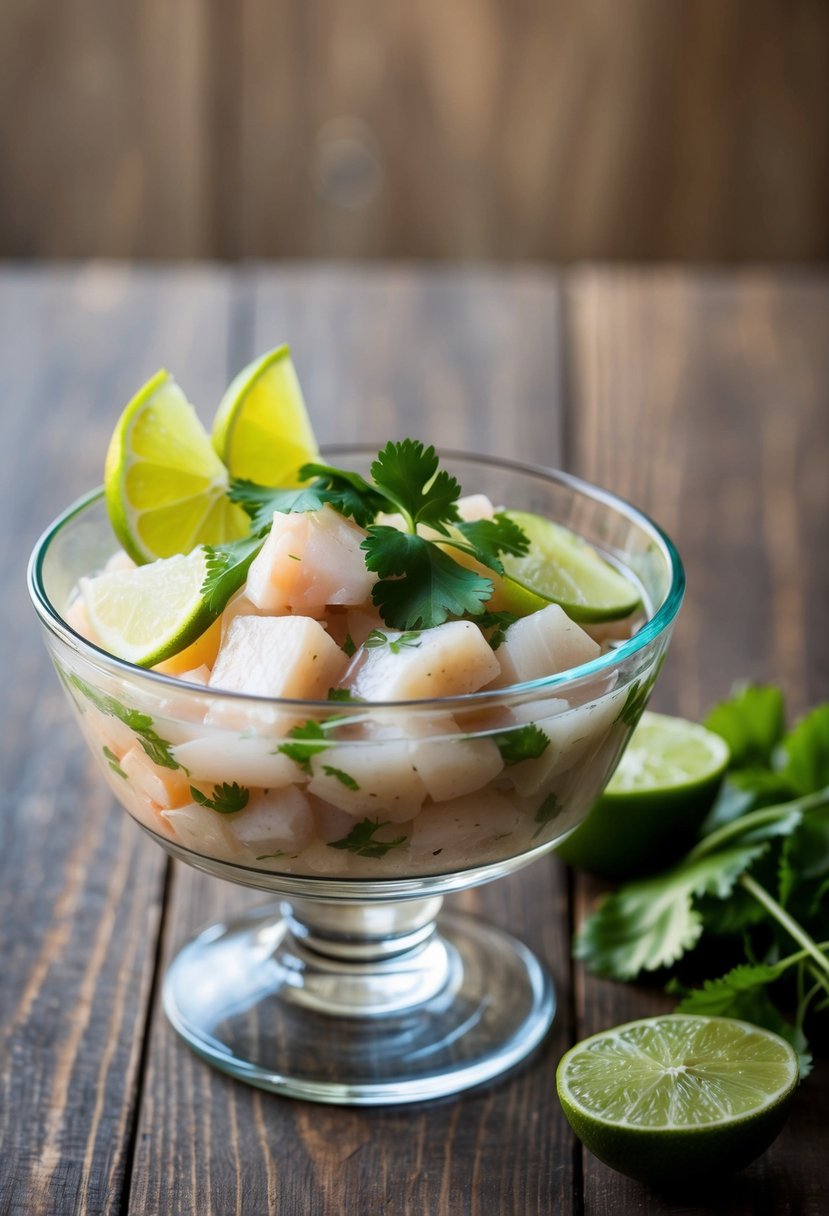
(701, 397)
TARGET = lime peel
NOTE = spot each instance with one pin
(664, 1098)
(158, 450)
(562, 568)
(262, 431)
(148, 613)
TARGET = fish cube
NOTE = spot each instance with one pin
(449, 660)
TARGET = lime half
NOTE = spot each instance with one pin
(262, 431)
(655, 802)
(668, 1099)
(150, 612)
(166, 489)
(562, 568)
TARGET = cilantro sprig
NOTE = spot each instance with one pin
(227, 799)
(420, 584)
(756, 882)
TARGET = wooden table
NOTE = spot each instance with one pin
(702, 397)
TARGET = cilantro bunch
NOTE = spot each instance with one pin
(755, 886)
(421, 583)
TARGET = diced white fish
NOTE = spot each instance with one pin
(448, 763)
(449, 660)
(465, 829)
(374, 778)
(475, 506)
(249, 760)
(164, 786)
(204, 831)
(310, 559)
(274, 821)
(542, 644)
(573, 734)
(284, 656)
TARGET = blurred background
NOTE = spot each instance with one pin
(440, 129)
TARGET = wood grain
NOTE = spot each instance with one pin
(704, 401)
(80, 887)
(480, 129)
(483, 346)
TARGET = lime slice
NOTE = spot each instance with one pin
(655, 802)
(165, 486)
(667, 1099)
(150, 612)
(563, 568)
(262, 431)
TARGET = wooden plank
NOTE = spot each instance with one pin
(80, 886)
(453, 357)
(102, 130)
(478, 130)
(703, 401)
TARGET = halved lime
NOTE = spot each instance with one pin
(262, 431)
(668, 1099)
(562, 568)
(655, 802)
(150, 612)
(166, 489)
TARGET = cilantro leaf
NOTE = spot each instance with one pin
(652, 923)
(227, 799)
(522, 743)
(395, 642)
(309, 739)
(420, 585)
(227, 569)
(260, 502)
(361, 840)
(158, 749)
(498, 623)
(113, 762)
(805, 751)
(342, 694)
(408, 475)
(549, 810)
(346, 492)
(349, 647)
(344, 778)
(751, 722)
(486, 538)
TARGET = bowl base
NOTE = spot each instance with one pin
(454, 1008)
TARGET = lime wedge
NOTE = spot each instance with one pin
(166, 489)
(655, 802)
(668, 1099)
(262, 431)
(562, 568)
(150, 612)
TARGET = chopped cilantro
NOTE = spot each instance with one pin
(549, 810)
(344, 778)
(522, 743)
(348, 647)
(376, 639)
(112, 761)
(360, 840)
(158, 749)
(227, 799)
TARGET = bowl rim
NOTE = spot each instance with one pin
(656, 625)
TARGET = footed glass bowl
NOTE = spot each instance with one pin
(352, 987)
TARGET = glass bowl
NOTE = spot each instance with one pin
(351, 988)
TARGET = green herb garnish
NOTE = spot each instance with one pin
(158, 749)
(360, 840)
(377, 639)
(227, 799)
(112, 761)
(420, 583)
(758, 879)
(344, 778)
(523, 743)
(549, 810)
